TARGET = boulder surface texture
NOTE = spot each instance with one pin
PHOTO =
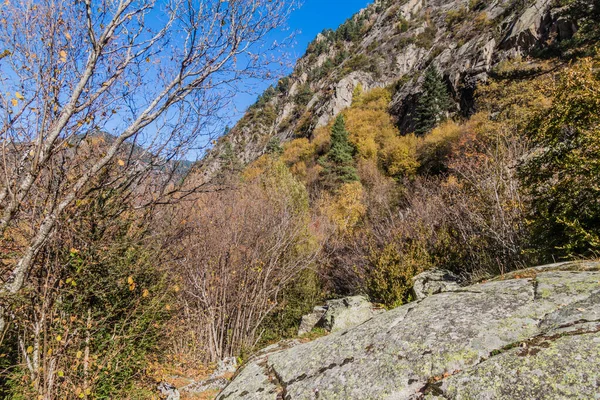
(433, 282)
(534, 334)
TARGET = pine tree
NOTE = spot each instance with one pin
(433, 103)
(339, 162)
(274, 146)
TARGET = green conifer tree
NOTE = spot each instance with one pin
(433, 103)
(339, 162)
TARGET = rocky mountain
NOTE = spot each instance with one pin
(532, 334)
(390, 44)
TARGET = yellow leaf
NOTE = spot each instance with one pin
(58, 338)
(145, 293)
(63, 56)
(30, 350)
(19, 96)
(14, 102)
(130, 280)
(60, 374)
(167, 307)
(79, 354)
(68, 35)
(121, 163)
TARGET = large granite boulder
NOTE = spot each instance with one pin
(434, 281)
(348, 312)
(339, 314)
(534, 334)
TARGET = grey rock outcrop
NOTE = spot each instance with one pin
(339, 314)
(228, 365)
(310, 321)
(217, 380)
(343, 95)
(527, 30)
(168, 391)
(348, 312)
(534, 334)
(433, 282)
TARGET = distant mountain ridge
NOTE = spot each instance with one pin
(390, 44)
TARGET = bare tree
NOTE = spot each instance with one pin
(238, 252)
(145, 78)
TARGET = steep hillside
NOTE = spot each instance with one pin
(389, 44)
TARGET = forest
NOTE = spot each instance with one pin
(120, 265)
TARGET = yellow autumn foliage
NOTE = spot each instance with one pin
(297, 150)
(436, 147)
(399, 155)
(369, 123)
(256, 168)
(321, 139)
(346, 208)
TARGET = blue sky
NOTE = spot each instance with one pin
(316, 15)
(309, 20)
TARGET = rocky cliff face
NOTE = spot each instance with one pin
(532, 335)
(390, 44)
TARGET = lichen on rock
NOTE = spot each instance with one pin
(530, 336)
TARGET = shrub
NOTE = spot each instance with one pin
(274, 146)
(239, 254)
(587, 15)
(359, 62)
(297, 150)
(399, 156)
(403, 25)
(426, 38)
(298, 299)
(93, 317)
(435, 151)
(455, 17)
(562, 173)
(303, 96)
(345, 209)
(390, 272)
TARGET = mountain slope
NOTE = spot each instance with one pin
(390, 44)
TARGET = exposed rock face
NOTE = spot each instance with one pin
(433, 282)
(339, 314)
(345, 313)
(396, 43)
(533, 335)
(217, 380)
(527, 30)
(310, 321)
(343, 94)
(168, 391)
